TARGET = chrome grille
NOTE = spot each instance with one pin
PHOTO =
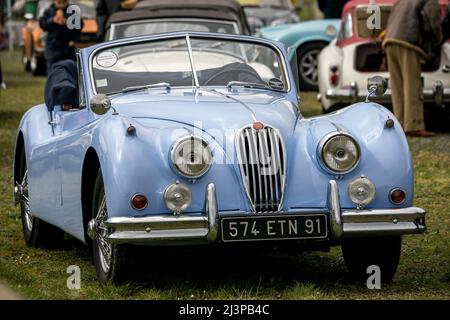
(262, 164)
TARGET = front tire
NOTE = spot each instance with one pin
(111, 260)
(360, 253)
(36, 232)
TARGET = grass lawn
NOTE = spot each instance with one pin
(424, 271)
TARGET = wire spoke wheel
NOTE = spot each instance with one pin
(25, 202)
(105, 248)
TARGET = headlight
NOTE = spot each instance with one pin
(339, 152)
(177, 197)
(191, 157)
(361, 191)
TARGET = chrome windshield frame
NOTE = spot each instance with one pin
(188, 35)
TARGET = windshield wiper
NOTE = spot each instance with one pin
(247, 85)
(147, 86)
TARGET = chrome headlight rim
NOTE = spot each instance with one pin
(325, 140)
(173, 155)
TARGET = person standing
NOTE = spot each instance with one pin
(59, 35)
(413, 29)
(105, 8)
(332, 9)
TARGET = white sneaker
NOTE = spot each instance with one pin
(3, 85)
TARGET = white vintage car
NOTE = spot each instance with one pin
(354, 56)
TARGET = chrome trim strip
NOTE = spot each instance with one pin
(212, 213)
(264, 150)
(334, 207)
(191, 60)
(274, 168)
(383, 215)
(253, 160)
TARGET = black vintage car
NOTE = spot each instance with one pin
(159, 16)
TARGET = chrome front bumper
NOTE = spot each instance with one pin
(437, 95)
(205, 228)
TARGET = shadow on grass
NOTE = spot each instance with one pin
(198, 268)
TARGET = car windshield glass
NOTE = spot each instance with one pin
(283, 4)
(217, 62)
(138, 28)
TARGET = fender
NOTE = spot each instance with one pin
(385, 157)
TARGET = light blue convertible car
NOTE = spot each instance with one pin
(305, 41)
(197, 139)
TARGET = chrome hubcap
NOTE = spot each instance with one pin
(308, 66)
(101, 229)
(22, 190)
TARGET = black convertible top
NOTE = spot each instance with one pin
(210, 9)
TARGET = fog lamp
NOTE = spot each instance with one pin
(361, 191)
(177, 197)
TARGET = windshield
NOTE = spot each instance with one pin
(282, 4)
(217, 62)
(138, 28)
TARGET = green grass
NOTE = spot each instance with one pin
(424, 270)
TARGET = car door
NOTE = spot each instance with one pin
(73, 138)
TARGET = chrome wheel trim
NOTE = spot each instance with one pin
(104, 248)
(308, 66)
(25, 202)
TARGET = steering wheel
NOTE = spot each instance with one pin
(230, 75)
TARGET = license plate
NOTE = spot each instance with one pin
(274, 227)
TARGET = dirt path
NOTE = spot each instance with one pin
(7, 294)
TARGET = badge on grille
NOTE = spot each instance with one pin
(258, 126)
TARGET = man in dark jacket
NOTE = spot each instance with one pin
(414, 27)
(59, 36)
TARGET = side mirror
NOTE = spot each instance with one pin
(377, 86)
(100, 104)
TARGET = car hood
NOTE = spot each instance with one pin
(207, 110)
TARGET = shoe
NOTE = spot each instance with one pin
(420, 133)
(3, 85)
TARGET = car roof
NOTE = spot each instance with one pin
(200, 4)
(229, 10)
